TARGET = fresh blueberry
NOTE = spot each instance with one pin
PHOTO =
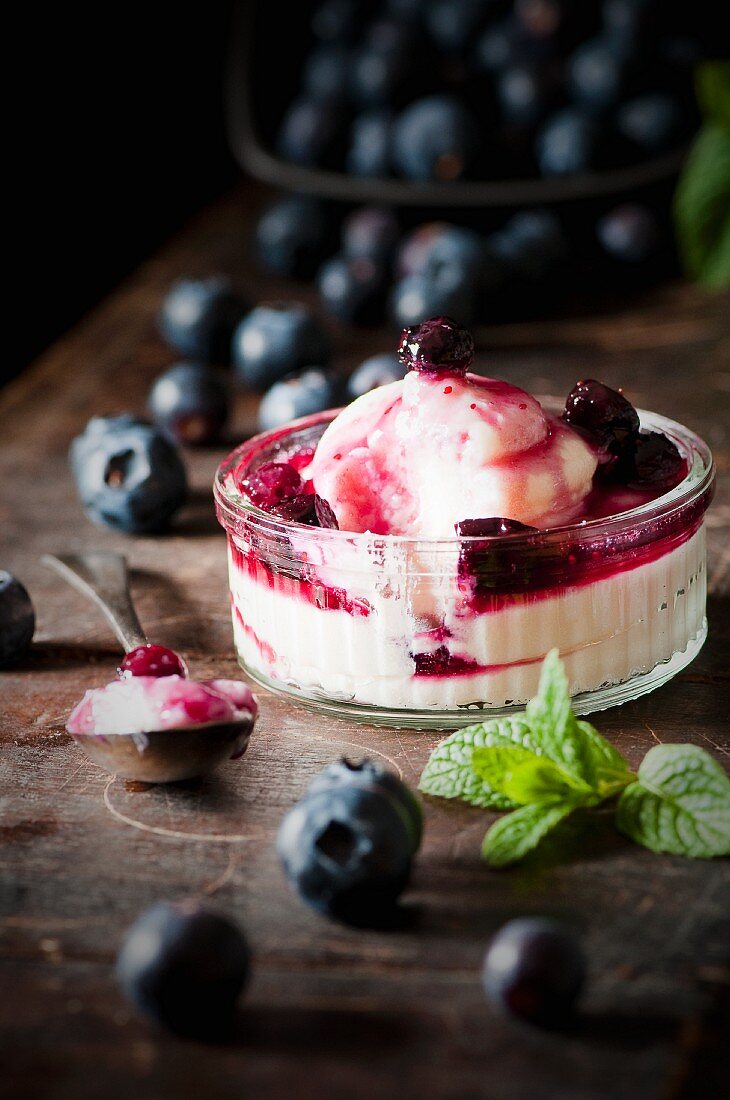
(625, 23)
(531, 245)
(651, 461)
(567, 143)
(536, 970)
(435, 138)
(418, 297)
(370, 233)
(353, 290)
(293, 236)
(347, 850)
(378, 370)
(652, 122)
(368, 773)
(303, 394)
(596, 73)
(17, 620)
(453, 23)
(185, 966)
(128, 474)
(368, 153)
(190, 401)
(198, 318)
(438, 344)
(336, 21)
(381, 69)
(499, 46)
(277, 338)
(309, 130)
(552, 26)
(326, 72)
(629, 233)
(434, 248)
(525, 93)
(151, 660)
(605, 414)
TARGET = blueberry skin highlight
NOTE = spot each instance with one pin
(347, 851)
(303, 394)
(190, 402)
(185, 966)
(128, 474)
(198, 318)
(276, 339)
(17, 620)
(536, 970)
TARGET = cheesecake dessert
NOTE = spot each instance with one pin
(412, 557)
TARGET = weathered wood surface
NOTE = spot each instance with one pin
(330, 1012)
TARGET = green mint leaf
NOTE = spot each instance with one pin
(516, 834)
(712, 80)
(575, 746)
(702, 207)
(680, 804)
(449, 774)
(524, 777)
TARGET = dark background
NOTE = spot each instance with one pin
(121, 137)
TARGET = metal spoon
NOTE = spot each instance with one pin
(156, 756)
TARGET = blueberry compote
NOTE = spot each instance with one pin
(437, 345)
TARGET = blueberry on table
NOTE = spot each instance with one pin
(151, 660)
(368, 773)
(435, 138)
(368, 153)
(629, 233)
(567, 143)
(276, 339)
(293, 236)
(128, 474)
(530, 246)
(17, 620)
(536, 970)
(185, 966)
(370, 233)
(303, 394)
(198, 318)
(353, 290)
(653, 122)
(453, 293)
(347, 850)
(190, 402)
(434, 248)
(309, 130)
(376, 371)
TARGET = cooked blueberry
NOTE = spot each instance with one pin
(276, 339)
(437, 344)
(190, 401)
(198, 318)
(499, 45)
(378, 370)
(531, 245)
(602, 412)
(185, 966)
(353, 290)
(629, 233)
(326, 72)
(525, 94)
(347, 850)
(324, 513)
(368, 773)
(567, 143)
(369, 144)
(271, 484)
(294, 235)
(482, 563)
(128, 474)
(151, 660)
(452, 24)
(311, 391)
(371, 233)
(435, 138)
(17, 620)
(596, 73)
(651, 461)
(536, 970)
(337, 20)
(309, 130)
(491, 527)
(653, 122)
(416, 297)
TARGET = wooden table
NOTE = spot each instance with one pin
(330, 1012)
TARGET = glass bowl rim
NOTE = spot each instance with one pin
(698, 481)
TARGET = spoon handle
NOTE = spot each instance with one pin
(102, 577)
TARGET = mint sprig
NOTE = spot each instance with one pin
(546, 763)
(680, 803)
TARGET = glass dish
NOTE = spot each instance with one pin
(433, 633)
